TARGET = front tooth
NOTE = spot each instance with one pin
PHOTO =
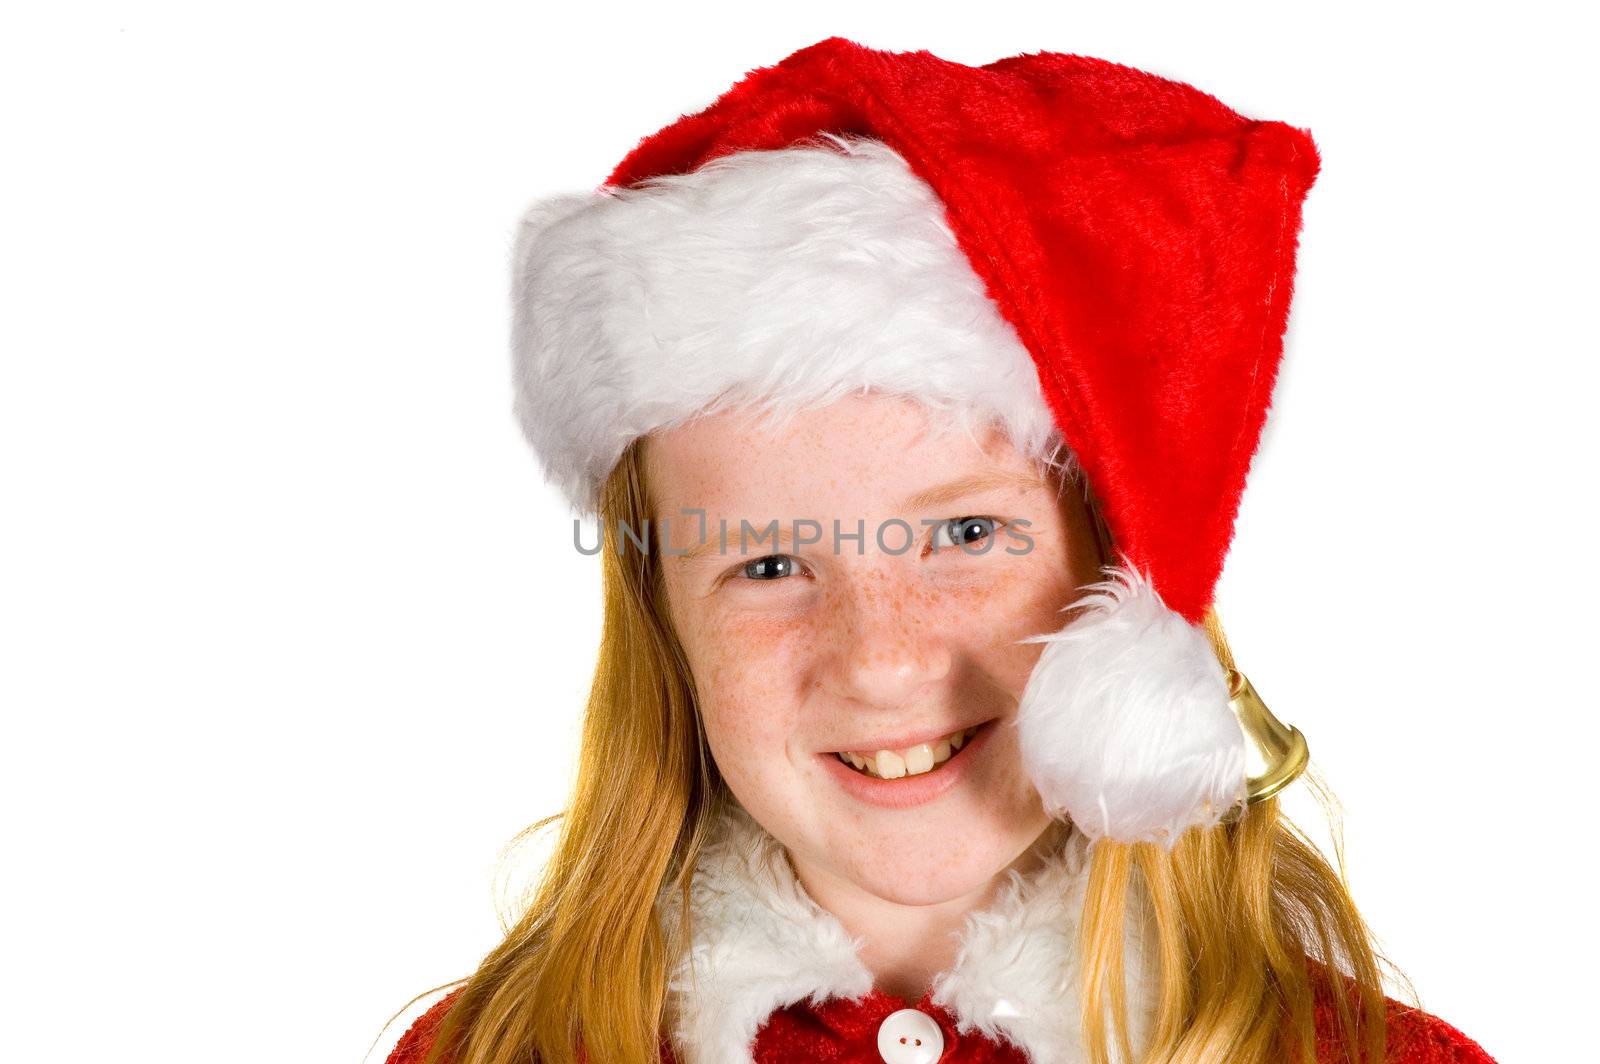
(919, 759)
(890, 765)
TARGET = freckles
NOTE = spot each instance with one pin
(998, 608)
(745, 672)
(993, 589)
(740, 658)
(899, 610)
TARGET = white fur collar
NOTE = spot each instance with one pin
(761, 943)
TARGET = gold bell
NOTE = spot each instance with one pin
(1275, 753)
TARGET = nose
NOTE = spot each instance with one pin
(890, 645)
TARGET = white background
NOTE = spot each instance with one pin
(292, 636)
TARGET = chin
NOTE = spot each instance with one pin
(932, 867)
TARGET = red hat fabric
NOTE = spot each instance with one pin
(1138, 234)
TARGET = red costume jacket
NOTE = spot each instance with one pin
(845, 1032)
(772, 978)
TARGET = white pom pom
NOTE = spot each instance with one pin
(1124, 724)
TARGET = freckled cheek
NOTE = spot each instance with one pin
(750, 679)
(989, 618)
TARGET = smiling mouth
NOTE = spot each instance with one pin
(913, 761)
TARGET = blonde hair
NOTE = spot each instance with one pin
(1250, 915)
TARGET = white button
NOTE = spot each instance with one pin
(910, 1037)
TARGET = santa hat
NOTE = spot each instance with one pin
(1093, 255)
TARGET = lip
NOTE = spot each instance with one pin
(906, 740)
(909, 791)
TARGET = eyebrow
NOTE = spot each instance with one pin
(971, 484)
(758, 539)
(926, 499)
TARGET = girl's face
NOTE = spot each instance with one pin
(880, 641)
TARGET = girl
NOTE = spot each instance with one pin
(915, 401)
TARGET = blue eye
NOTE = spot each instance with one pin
(772, 567)
(963, 532)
